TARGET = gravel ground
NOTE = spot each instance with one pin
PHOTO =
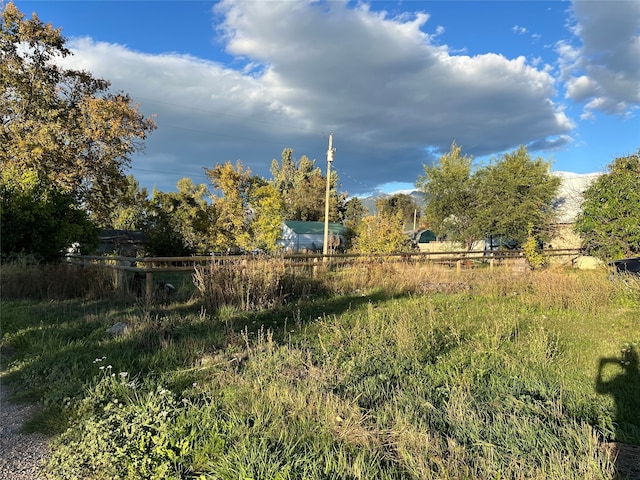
(21, 454)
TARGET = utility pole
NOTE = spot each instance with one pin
(330, 152)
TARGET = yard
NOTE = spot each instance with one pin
(378, 371)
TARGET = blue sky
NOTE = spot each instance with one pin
(395, 82)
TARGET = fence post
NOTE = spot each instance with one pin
(458, 266)
(149, 286)
(491, 261)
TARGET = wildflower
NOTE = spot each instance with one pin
(194, 384)
(101, 367)
(124, 374)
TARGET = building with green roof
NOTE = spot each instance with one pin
(299, 236)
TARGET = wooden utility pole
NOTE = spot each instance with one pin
(330, 152)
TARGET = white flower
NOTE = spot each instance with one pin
(124, 374)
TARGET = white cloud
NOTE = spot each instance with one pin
(604, 71)
(379, 83)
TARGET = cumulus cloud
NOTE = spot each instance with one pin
(391, 94)
(603, 71)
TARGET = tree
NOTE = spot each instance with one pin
(354, 212)
(610, 217)
(129, 211)
(63, 124)
(450, 196)
(303, 188)
(380, 234)
(514, 198)
(402, 204)
(268, 215)
(178, 223)
(232, 208)
(39, 220)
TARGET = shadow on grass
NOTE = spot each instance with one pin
(52, 350)
(624, 388)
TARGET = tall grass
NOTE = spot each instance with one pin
(407, 371)
(22, 279)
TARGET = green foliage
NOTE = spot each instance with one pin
(39, 220)
(230, 228)
(381, 234)
(130, 210)
(303, 189)
(129, 430)
(268, 215)
(531, 250)
(178, 223)
(400, 204)
(450, 196)
(514, 192)
(502, 198)
(492, 381)
(610, 213)
(63, 124)
(354, 212)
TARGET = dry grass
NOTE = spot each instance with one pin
(21, 280)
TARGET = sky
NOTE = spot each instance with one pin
(395, 82)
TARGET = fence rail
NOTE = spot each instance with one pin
(152, 265)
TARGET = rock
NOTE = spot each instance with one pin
(586, 262)
(119, 328)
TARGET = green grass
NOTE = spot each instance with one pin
(493, 380)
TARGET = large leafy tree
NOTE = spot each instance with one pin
(248, 210)
(63, 124)
(402, 204)
(381, 234)
(354, 212)
(450, 196)
(129, 210)
(231, 203)
(610, 219)
(177, 223)
(303, 188)
(39, 220)
(267, 215)
(514, 198)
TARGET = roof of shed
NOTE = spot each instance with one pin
(300, 227)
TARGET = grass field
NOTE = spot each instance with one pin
(379, 371)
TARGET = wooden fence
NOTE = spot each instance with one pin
(149, 266)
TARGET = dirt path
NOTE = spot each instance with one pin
(21, 454)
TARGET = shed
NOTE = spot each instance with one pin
(299, 236)
(129, 243)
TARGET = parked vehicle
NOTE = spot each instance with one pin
(628, 265)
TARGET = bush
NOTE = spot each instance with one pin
(41, 221)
